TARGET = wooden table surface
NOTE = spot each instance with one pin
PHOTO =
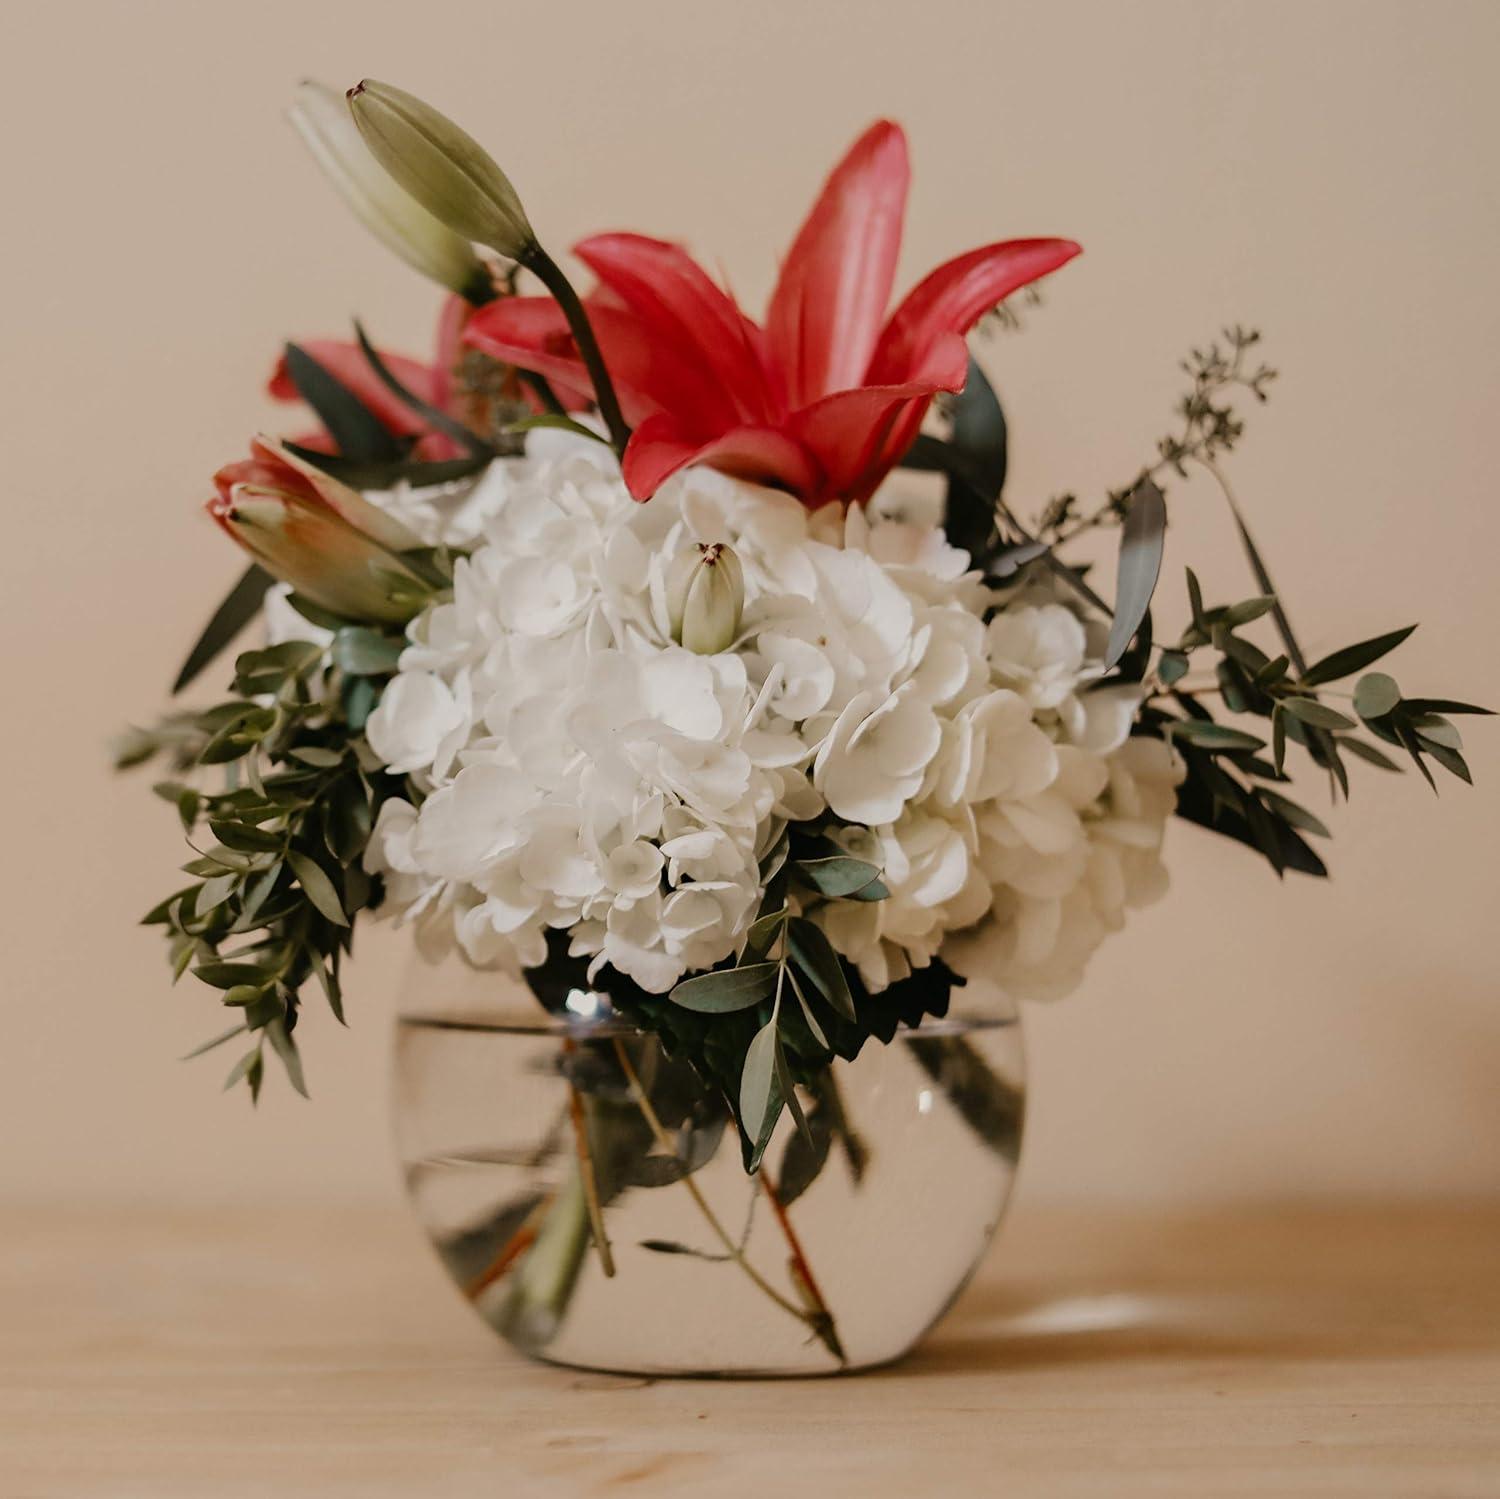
(1297, 1352)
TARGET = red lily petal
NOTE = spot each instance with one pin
(952, 298)
(850, 432)
(348, 365)
(450, 334)
(531, 333)
(659, 447)
(675, 301)
(835, 285)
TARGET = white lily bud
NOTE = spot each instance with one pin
(705, 597)
(442, 167)
(323, 120)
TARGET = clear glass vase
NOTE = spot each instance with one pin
(524, 1138)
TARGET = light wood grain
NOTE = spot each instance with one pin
(156, 1354)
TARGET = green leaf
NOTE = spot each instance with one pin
(727, 989)
(356, 431)
(1298, 816)
(1444, 705)
(1171, 667)
(788, 1090)
(1213, 735)
(245, 837)
(1250, 609)
(1375, 694)
(817, 959)
(1369, 752)
(842, 877)
(759, 1104)
(286, 1049)
(1354, 658)
(432, 415)
(316, 756)
(229, 974)
(317, 886)
(245, 1070)
(1320, 715)
(991, 1107)
(219, 1040)
(241, 605)
(1433, 729)
(1142, 540)
(555, 421)
(978, 437)
(1195, 600)
(1449, 759)
(362, 652)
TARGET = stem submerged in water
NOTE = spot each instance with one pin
(819, 1320)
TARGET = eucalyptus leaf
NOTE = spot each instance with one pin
(817, 959)
(727, 989)
(1375, 694)
(843, 877)
(1309, 710)
(1354, 658)
(1214, 735)
(363, 652)
(1368, 752)
(760, 1103)
(1142, 540)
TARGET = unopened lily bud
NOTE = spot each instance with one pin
(705, 597)
(322, 537)
(323, 120)
(442, 167)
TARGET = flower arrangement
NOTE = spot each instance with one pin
(601, 651)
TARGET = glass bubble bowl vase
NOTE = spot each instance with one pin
(519, 1132)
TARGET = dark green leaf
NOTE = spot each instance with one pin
(1444, 705)
(432, 415)
(1368, 752)
(356, 431)
(1354, 658)
(240, 606)
(1214, 735)
(817, 959)
(1450, 759)
(1298, 816)
(986, 1102)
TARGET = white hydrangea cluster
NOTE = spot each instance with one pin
(581, 771)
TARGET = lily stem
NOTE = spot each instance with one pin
(550, 274)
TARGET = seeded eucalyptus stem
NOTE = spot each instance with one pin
(550, 274)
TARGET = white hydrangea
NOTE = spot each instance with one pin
(579, 771)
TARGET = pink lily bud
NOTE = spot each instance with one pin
(325, 539)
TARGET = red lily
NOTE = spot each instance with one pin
(828, 395)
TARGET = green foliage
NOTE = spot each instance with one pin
(277, 877)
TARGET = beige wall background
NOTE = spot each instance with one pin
(1325, 171)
